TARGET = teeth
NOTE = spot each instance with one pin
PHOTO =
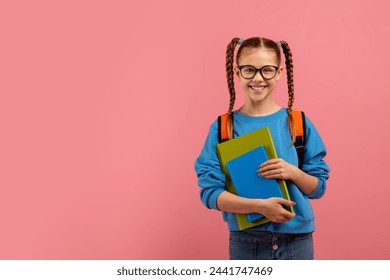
(257, 88)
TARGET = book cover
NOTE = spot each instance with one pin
(243, 172)
(240, 145)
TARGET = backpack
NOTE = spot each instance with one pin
(225, 131)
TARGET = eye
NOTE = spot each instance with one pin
(268, 69)
(248, 70)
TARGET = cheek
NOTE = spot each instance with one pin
(273, 84)
(243, 83)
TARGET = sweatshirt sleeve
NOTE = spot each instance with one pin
(211, 179)
(313, 163)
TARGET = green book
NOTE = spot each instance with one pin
(238, 146)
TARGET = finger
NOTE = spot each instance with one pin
(268, 167)
(270, 161)
(288, 215)
(286, 202)
(276, 173)
(289, 203)
(284, 217)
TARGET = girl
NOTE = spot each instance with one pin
(288, 235)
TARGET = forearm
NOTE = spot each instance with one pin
(272, 208)
(305, 182)
(229, 202)
(280, 169)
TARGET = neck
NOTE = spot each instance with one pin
(258, 110)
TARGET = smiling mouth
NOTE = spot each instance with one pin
(257, 87)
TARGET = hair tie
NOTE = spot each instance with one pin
(279, 44)
(240, 41)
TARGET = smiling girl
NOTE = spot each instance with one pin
(288, 236)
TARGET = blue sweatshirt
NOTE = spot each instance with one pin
(212, 180)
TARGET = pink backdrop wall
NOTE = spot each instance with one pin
(105, 106)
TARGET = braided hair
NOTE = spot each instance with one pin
(257, 42)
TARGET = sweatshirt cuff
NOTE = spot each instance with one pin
(318, 191)
(214, 197)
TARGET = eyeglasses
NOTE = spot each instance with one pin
(268, 72)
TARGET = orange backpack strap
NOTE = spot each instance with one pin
(225, 131)
(300, 134)
(225, 127)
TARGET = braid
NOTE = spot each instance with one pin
(290, 84)
(229, 72)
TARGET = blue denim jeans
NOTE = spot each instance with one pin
(265, 245)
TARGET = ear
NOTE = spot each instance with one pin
(236, 71)
(279, 73)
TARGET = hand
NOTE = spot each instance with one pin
(277, 169)
(273, 209)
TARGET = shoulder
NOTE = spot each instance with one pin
(302, 116)
(309, 129)
(212, 136)
(313, 137)
(214, 126)
(309, 123)
(218, 122)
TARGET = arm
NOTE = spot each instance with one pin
(280, 169)
(272, 208)
(312, 178)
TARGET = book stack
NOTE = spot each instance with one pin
(240, 159)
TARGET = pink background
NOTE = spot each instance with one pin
(106, 104)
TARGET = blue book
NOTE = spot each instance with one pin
(243, 173)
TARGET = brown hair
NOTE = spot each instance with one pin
(257, 42)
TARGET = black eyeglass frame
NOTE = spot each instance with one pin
(260, 70)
